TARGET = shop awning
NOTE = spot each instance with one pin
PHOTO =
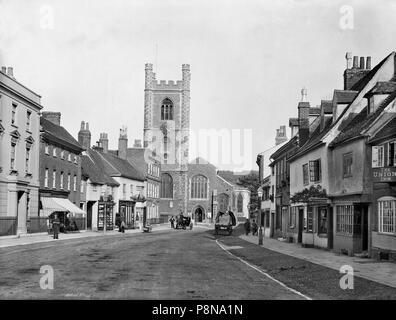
(50, 205)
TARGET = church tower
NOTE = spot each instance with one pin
(166, 134)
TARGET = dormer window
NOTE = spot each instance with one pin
(167, 109)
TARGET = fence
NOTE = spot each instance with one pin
(37, 224)
(8, 226)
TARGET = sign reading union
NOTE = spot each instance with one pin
(384, 174)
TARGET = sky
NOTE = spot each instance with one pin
(249, 59)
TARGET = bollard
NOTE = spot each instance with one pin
(260, 236)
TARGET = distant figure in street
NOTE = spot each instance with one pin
(247, 226)
(254, 228)
(123, 226)
(172, 221)
(56, 226)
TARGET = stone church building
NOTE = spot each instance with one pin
(194, 188)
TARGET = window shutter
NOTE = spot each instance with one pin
(319, 170)
(312, 170)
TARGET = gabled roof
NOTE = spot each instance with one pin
(117, 167)
(344, 96)
(58, 134)
(360, 122)
(327, 105)
(382, 87)
(230, 178)
(93, 168)
(387, 132)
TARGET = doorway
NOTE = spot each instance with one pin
(89, 214)
(199, 214)
(300, 224)
(365, 228)
(330, 235)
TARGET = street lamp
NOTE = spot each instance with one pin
(260, 235)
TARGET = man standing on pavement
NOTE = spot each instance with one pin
(172, 221)
(246, 225)
(56, 226)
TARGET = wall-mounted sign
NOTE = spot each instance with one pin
(387, 174)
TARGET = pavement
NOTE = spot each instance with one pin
(26, 239)
(379, 271)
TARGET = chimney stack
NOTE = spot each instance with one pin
(4, 70)
(303, 119)
(357, 72)
(280, 135)
(84, 135)
(104, 141)
(368, 63)
(54, 117)
(348, 57)
(123, 143)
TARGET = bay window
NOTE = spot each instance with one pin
(387, 215)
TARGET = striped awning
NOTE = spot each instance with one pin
(50, 205)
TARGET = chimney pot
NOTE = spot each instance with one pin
(10, 72)
(87, 126)
(361, 62)
(348, 57)
(82, 127)
(355, 61)
(4, 70)
(368, 63)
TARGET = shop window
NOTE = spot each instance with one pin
(309, 225)
(344, 219)
(347, 165)
(292, 217)
(377, 156)
(322, 220)
(387, 215)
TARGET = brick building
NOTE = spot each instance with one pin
(60, 171)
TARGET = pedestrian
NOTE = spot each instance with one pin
(123, 226)
(56, 226)
(172, 221)
(254, 228)
(247, 226)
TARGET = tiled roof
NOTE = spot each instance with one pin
(136, 157)
(382, 87)
(344, 96)
(388, 131)
(115, 166)
(58, 133)
(231, 178)
(287, 148)
(360, 122)
(92, 166)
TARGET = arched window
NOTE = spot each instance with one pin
(240, 203)
(199, 187)
(223, 202)
(166, 186)
(167, 109)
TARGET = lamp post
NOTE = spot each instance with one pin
(260, 234)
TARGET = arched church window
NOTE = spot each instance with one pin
(167, 109)
(199, 187)
(240, 203)
(166, 186)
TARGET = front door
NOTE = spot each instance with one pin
(199, 215)
(365, 228)
(89, 214)
(300, 224)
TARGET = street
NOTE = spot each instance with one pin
(166, 264)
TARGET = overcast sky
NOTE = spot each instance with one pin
(249, 59)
